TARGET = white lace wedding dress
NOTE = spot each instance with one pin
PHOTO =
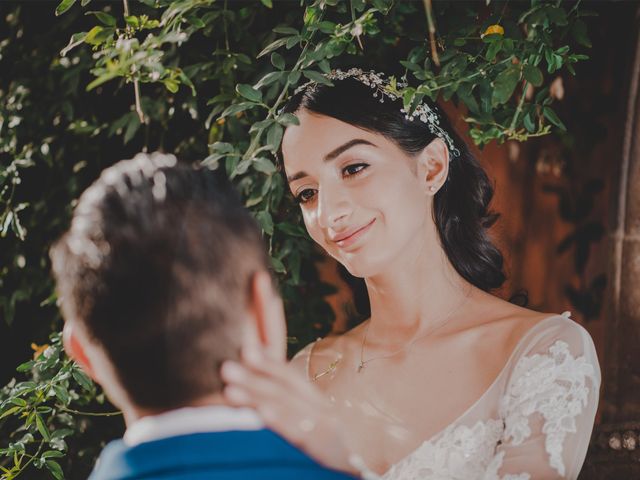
(533, 422)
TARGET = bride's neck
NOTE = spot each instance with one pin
(414, 294)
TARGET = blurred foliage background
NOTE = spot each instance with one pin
(86, 83)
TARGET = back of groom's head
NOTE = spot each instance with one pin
(156, 268)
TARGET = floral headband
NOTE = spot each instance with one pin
(383, 87)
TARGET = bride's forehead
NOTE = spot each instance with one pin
(317, 135)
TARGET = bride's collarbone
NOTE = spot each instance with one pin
(462, 364)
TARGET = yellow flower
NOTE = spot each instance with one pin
(491, 29)
(38, 350)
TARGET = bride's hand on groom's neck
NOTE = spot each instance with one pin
(289, 405)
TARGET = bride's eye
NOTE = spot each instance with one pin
(354, 169)
(305, 195)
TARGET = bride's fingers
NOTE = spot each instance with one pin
(261, 387)
(251, 389)
(288, 416)
(279, 372)
(276, 382)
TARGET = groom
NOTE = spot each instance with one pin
(162, 276)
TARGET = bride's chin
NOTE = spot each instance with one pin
(359, 268)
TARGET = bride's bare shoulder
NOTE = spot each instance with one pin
(506, 320)
(325, 350)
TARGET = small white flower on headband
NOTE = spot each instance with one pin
(383, 87)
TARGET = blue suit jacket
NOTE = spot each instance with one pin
(233, 455)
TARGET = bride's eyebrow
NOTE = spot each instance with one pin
(332, 155)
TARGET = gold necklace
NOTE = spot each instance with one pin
(443, 321)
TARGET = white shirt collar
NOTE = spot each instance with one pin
(184, 421)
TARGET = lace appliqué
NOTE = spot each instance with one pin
(554, 386)
(495, 465)
(460, 453)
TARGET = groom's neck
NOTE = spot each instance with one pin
(133, 413)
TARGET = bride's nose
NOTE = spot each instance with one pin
(334, 207)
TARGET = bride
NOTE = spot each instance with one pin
(444, 380)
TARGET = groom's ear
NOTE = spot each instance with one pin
(75, 350)
(268, 332)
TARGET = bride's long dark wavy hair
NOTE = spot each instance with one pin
(461, 207)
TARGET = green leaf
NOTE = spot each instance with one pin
(98, 35)
(273, 46)
(558, 61)
(553, 118)
(541, 95)
(293, 41)
(55, 469)
(132, 128)
(287, 119)
(504, 85)
(325, 66)
(93, 33)
(241, 168)
(261, 125)
(83, 380)
(52, 454)
(265, 221)
(105, 18)
(557, 15)
(277, 61)
(248, 92)
(278, 266)
(294, 77)
(171, 85)
(61, 393)
(63, 6)
(75, 40)
(528, 122)
(286, 30)
(533, 75)
(100, 80)
(317, 77)
(42, 428)
(61, 433)
(264, 165)
(465, 95)
(237, 108)
(10, 411)
(579, 32)
(132, 21)
(292, 230)
(187, 81)
(267, 3)
(493, 50)
(274, 136)
(268, 79)
(25, 367)
(327, 26)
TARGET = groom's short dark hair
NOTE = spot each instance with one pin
(157, 266)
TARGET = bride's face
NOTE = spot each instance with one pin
(363, 199)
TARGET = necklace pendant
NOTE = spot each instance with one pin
(360, 367)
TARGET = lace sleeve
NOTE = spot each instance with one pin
(549, 406)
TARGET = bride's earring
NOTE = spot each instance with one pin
(432, 188)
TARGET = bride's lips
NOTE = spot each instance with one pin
(349, 238)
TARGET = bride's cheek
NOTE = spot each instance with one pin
(311, 225)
